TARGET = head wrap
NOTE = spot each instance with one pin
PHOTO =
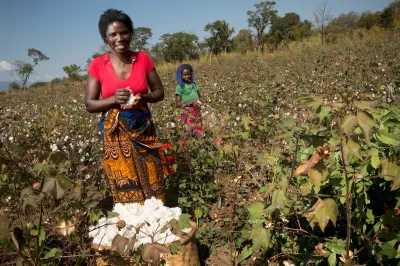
(179, 74)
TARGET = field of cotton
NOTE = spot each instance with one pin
(298, 164)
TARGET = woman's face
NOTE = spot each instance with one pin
(186, 76)
(118, 37)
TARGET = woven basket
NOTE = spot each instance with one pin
(187, 256)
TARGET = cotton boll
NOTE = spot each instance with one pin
(131, 101)
(177, 212)
(151, 204)
(150, 218)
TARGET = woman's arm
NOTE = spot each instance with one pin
(92, 97)
(156, 87)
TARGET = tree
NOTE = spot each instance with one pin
(243, 41)
(288, 28)
(387, 17)
(140, 38)
(260, 19)
(177, 47)
(220, 34)
(322, 16)
(23, 70)
(73, 71)
(368, 20)
(343, 23)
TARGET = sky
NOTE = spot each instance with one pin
(67, 32)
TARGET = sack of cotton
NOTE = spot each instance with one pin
(158, 232)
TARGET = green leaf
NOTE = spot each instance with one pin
(112, 214)
(387, 138)
(389, 251)
(279, 201)
(348, 124)
(332, 260)
(261, 238)
(246, 252)
(52, 253)
(322, 212)
(337, 247)
(256, 210)
(366, 123)
(375, 162)
(354, 148)
(325, 111)
(389, 169)
(198, 213)
(56, 186)
(228, 148)
(184, 221)
(364, 105)
(57, 157)
(312, 101)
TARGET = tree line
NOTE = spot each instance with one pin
(267, 31)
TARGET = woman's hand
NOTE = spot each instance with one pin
(122, 95)
(132, 101)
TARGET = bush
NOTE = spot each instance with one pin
(14, 86)
(38, 84)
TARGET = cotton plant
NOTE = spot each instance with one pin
(140, 225)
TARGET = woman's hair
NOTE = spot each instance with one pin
(111, 15)
(179, 74)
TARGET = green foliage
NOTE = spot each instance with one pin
(260, 19)
(140, 38)
(14, 86)
(368, 20)
(287, 29)
(220, 36)
(72, 71)
(179, 46)
(243, 41)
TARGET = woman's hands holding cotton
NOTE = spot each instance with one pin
(125, 98)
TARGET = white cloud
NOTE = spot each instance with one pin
(5, 66)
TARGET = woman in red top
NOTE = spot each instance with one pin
(131, 159)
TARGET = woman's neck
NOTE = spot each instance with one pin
(123, 59)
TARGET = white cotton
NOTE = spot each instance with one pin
(131, 101)
(149, 219)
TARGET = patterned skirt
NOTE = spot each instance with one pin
(131, 155)
(192, 123)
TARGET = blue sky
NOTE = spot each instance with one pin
(66, 31)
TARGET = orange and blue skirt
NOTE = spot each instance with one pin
(131, 155)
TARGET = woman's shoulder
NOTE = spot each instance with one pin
(101, 59)
(141, 54)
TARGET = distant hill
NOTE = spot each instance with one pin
(4, 85)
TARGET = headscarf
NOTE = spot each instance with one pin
(179, 74)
